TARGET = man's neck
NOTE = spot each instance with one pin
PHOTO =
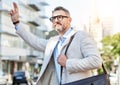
(66, 32)
(63, 32)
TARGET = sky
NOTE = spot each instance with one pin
(81, 10)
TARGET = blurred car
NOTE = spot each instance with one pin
(3, 78)
(20, 77)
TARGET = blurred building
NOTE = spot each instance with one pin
(100, 27)
(96, 29)
(14, 52)
(108, 25)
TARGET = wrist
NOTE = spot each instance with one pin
(15, 23)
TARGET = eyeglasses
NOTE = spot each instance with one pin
(59, 18)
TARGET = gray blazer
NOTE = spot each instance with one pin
(83, 56)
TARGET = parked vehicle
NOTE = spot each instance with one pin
(3, 78)
(20, 77)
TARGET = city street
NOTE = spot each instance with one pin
(22, 52)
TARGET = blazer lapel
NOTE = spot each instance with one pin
(47, 58)
(68, 39)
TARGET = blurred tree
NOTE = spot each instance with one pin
(110, 49)
(106, 53)
(106, 50)
(115, 43)
(51, 33)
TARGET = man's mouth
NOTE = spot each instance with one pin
(58, 23)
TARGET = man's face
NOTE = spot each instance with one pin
(61, 21)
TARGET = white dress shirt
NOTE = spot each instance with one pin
(57, 51)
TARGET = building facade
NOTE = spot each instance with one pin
(15, 54)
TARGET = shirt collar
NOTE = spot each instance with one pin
(66, 35)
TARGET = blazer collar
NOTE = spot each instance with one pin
(47, 58)
(68, 39)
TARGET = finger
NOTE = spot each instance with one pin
(15, 7)
(11, 12)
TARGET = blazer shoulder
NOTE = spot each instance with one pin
(82, 34)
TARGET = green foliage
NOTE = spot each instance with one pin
(110, 49)
(107, 48)
(115, 43)
(111, 45)
(106, 40)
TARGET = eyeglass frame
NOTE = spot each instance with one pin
(52, 19)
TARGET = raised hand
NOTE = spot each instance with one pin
(14, 14)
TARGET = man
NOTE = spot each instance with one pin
(82, 54)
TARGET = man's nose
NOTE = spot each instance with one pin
(56, 19)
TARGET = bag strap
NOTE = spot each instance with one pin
(66, 54)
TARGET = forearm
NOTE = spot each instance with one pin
(85, 64)
(28, 37)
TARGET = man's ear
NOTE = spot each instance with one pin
(70, 19)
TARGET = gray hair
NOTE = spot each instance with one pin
(61, 8)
